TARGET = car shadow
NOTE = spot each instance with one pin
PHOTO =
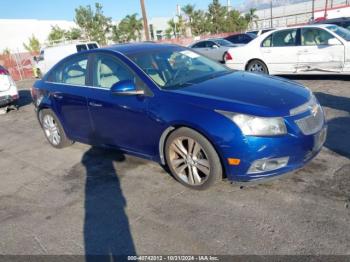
(25, 98)
(107, 233)
(338, 128)
(318, 77)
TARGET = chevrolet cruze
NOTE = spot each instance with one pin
(169, 104)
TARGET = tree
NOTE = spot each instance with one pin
(116, 34)
(59, 34)
(6, 52)
(56, 34)
(93, 23)
(235, 22)
(172, 27)
(33, 46)
(130, 28)
(168, 33)
(199, 23)
(189, 12)
(73, 34)
(251, 16)
(216, 15)
(181, 25)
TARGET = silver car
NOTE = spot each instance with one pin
(215, 49)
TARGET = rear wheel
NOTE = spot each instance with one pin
(257, 66)
(192, 159)
(53, 129)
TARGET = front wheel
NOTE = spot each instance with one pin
(192, 159)
(53, 129)
(257, 66)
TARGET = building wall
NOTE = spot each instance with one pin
(300, 13)
(14, 32)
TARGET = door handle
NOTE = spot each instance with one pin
(267, 51)
(95, 104)
(57, 96)
(303, 52)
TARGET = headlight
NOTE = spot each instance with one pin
(257, 126)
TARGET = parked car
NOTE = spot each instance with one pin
(8, 90)
(312, 49)
(240, 39)
(50, 55)
(342, 22)
(169, 104)
(260, 32)
(215, 49)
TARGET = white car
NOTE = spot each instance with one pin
(311, 49)
(8, 90)
(260, 32)
(50, 55)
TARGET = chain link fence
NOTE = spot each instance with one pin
(20, 65)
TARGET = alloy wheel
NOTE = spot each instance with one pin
(190, 161)
(51, 130)
(257, 68)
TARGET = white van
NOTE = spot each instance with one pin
(50, 55)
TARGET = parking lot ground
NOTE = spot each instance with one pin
(83, 200)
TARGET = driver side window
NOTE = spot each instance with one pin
(109, 71)
(315, 37)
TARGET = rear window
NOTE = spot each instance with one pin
(92, 46)
(81, 48)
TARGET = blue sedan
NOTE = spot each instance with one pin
(171, 105)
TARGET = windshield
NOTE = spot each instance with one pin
(223, 42)
(175, 68)
(340, 31)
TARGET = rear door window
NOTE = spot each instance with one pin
(72, 72)
(200, 45)
(210, 44)
(282, 38)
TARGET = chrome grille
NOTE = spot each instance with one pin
(313, 123)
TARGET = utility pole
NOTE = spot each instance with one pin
(271, 14)
(145, 23)
(325, 10)
(313, 10)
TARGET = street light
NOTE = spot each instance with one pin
(144, 16)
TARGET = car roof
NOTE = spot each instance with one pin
(132, 48)
(304, 26)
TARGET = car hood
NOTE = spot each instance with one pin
(248, 93)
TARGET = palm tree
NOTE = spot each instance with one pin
(189, 12)
(251, 15)
(131, 27)
(173, 27)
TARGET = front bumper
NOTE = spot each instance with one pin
(299, 148)
(8, 100)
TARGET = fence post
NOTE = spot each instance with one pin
(18, 69)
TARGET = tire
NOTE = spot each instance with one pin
(53, 129)
(257, 66)
(198, 170)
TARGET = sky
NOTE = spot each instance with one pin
(117, 9)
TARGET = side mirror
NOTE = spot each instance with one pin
(215, 46)
(35, 59)
(334, 41)
(126, 88)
